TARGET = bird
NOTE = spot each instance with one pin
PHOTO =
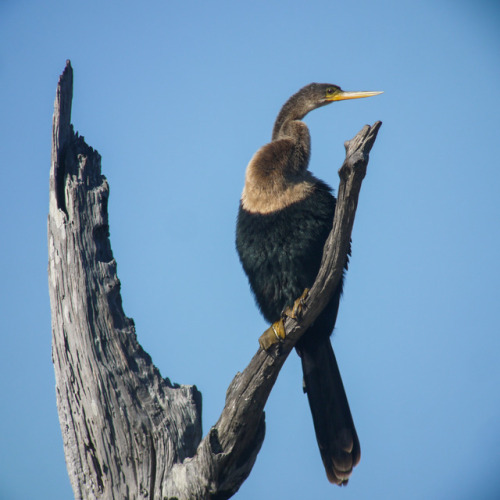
(284, 218)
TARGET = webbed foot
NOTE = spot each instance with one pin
(274, 334)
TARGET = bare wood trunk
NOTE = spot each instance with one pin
(129, 433)
(123, 425)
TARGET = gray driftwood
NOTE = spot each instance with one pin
(128, 433)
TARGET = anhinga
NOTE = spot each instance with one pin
(284, 219)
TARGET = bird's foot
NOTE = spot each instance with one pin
(274, 334)
(296, 311)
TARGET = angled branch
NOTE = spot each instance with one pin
(249, 390)
(127, 432)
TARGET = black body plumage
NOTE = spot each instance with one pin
(281, 251)
(284, 219)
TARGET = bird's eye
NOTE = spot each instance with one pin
(329, 90)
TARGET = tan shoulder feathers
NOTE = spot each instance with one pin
(268, 185)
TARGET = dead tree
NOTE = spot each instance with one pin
(128, 432)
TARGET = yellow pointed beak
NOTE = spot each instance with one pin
(342, 95)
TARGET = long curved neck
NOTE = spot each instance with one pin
(289, 127)
(277, 175)
(293, 110)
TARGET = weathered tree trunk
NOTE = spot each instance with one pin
(129, 433)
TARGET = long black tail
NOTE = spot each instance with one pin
(335, 431)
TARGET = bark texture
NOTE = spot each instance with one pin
(128, 433)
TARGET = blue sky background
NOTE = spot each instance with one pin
(177, 96)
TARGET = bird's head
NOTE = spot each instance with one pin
(310, 97)
(314, 95)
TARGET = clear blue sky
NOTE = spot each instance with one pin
(177, 96)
